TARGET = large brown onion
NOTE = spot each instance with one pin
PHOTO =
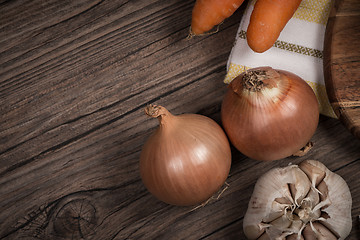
(186, 160)
(269, 114)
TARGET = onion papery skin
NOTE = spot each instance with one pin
(186, 160)
(274, 122)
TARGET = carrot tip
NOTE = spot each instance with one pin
(192, 34)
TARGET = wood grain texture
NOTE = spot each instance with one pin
(342, 62)
(75, 77)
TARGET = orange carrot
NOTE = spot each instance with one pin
(208, 13)
(267, 20)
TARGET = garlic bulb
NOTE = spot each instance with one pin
(305, 201)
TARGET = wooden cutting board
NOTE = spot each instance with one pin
(342, 62)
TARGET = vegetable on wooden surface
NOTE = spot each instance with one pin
(186, 160)
(305, 201)
(267, 20)
(208, 13)
(269, 114)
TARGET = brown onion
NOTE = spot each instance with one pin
(186, 160)
(269, 114)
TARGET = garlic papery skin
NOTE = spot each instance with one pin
(305, 201)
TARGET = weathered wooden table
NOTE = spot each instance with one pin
(75, 77)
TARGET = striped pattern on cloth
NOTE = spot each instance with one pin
(299, 49)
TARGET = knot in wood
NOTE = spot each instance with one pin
(76, 219)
